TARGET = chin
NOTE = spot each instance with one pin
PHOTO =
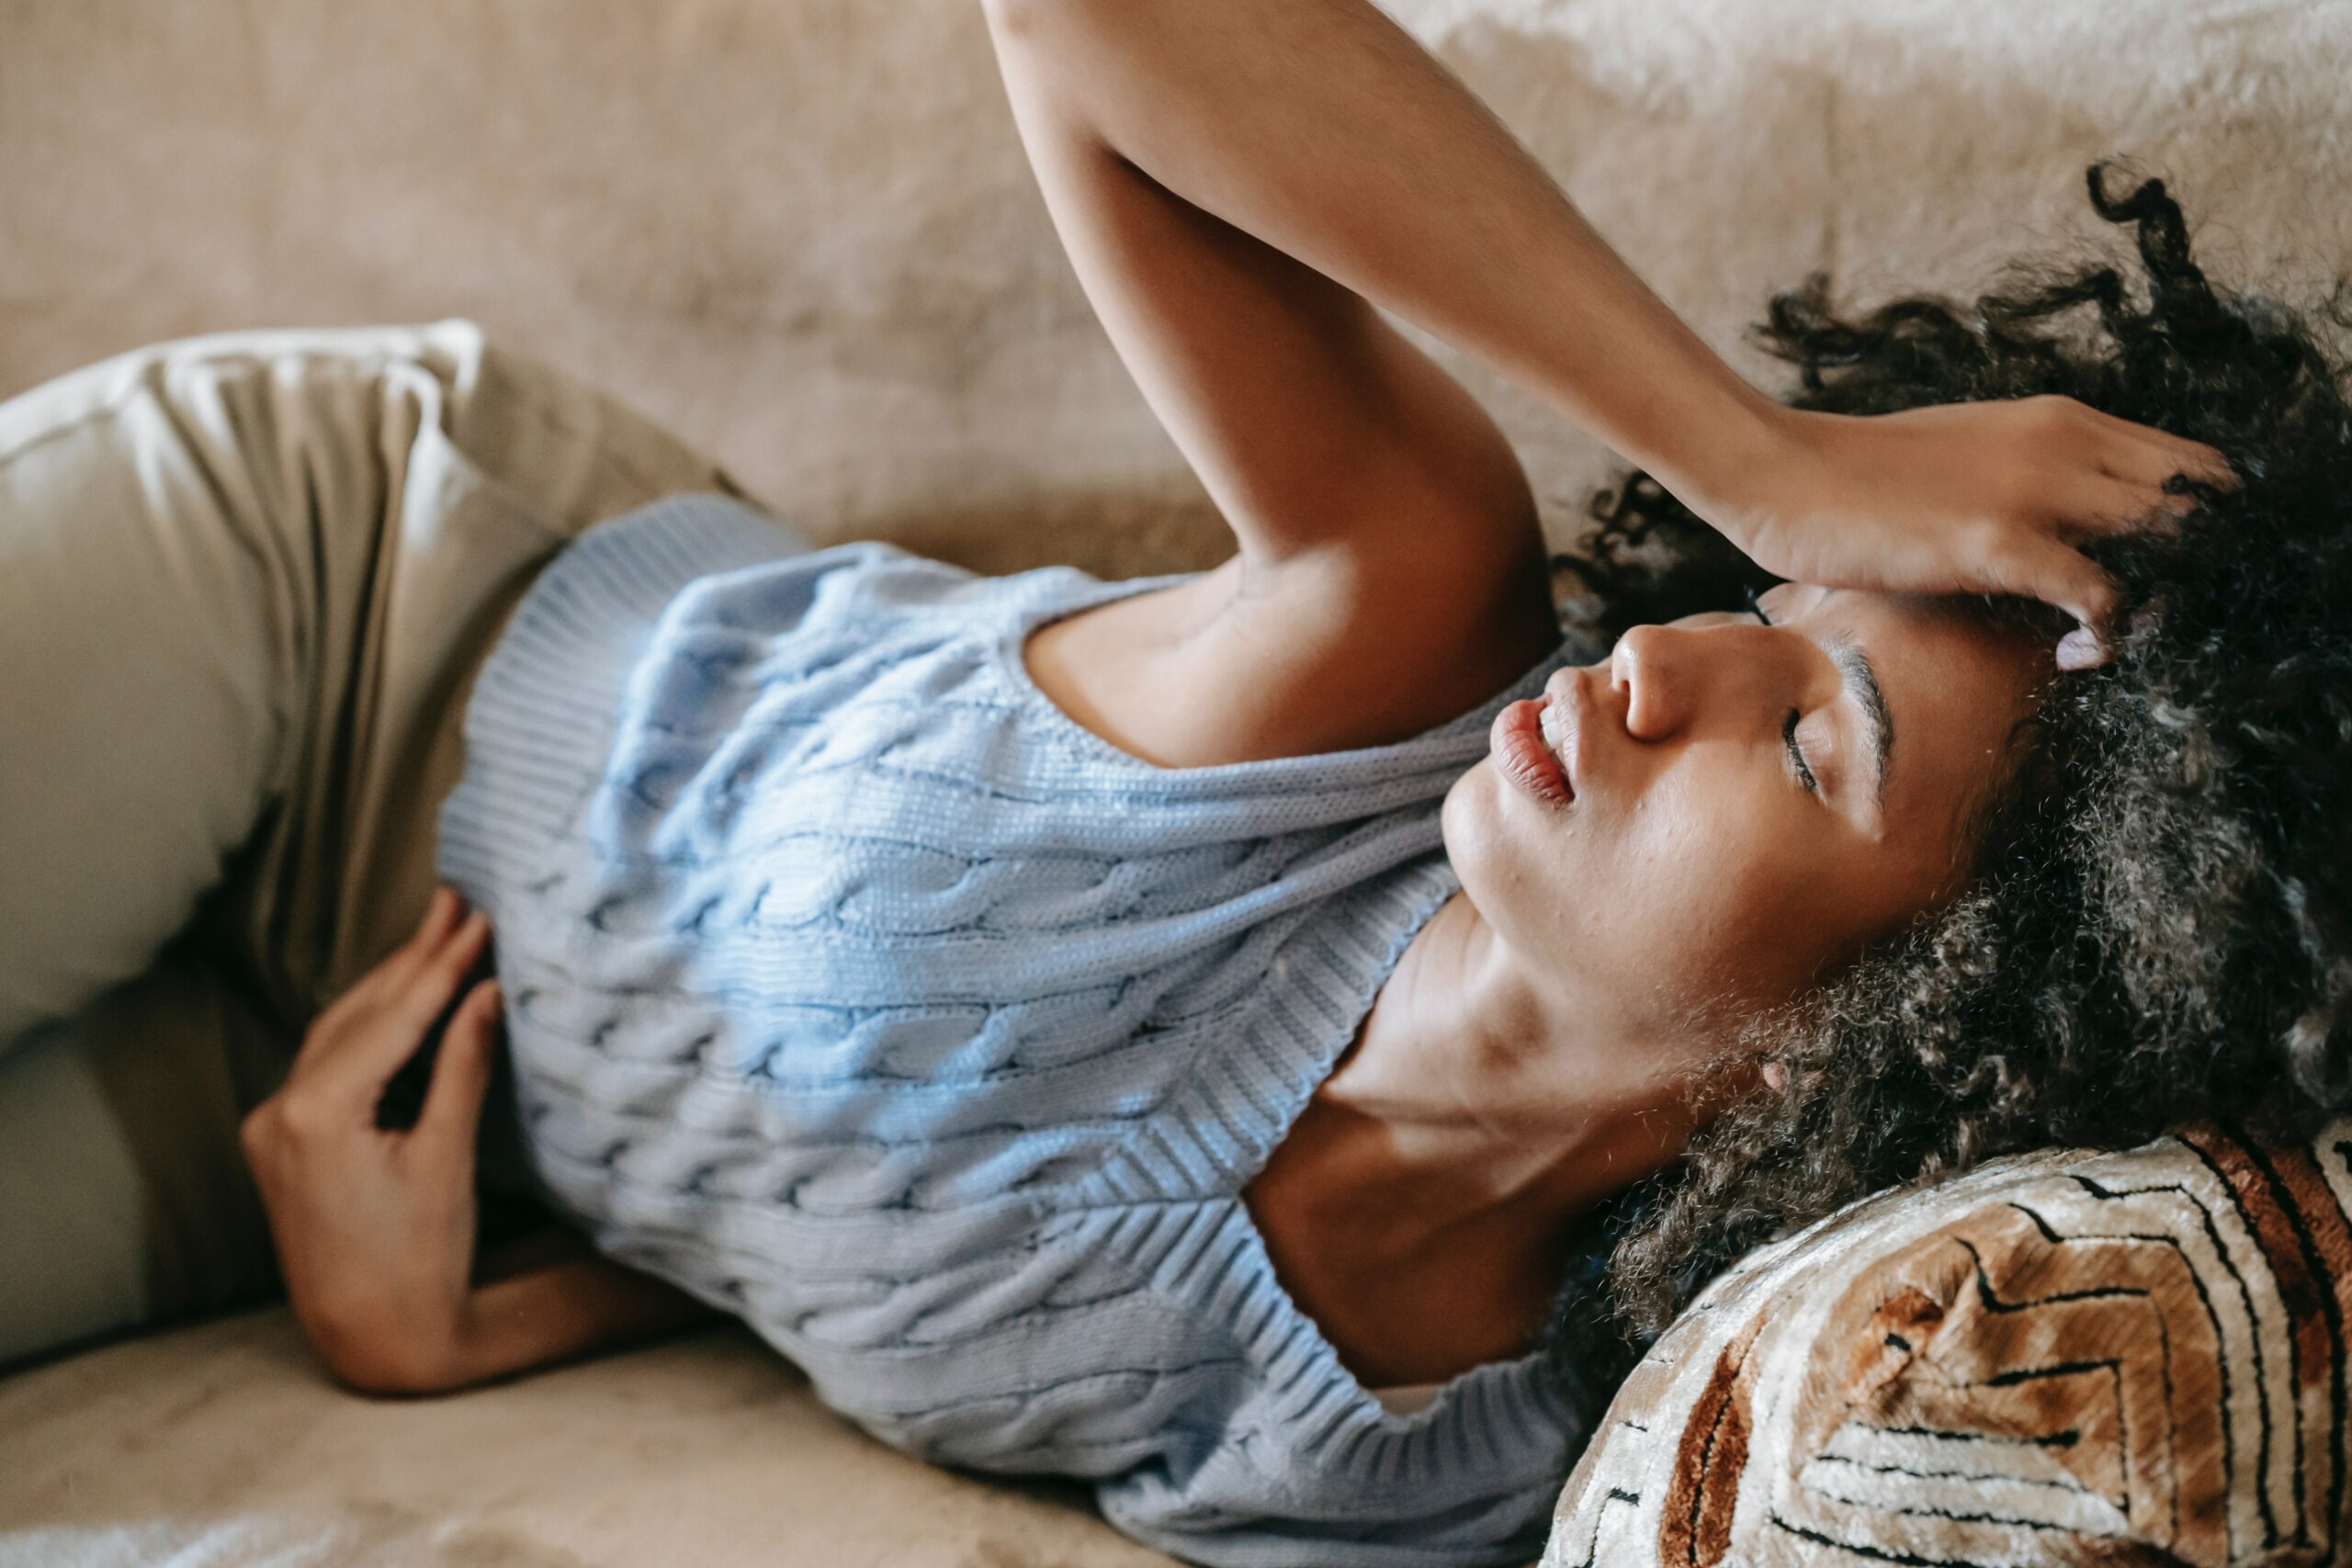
(1471, 823)
(1510, 868)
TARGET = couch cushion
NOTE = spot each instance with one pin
(2067, 1356)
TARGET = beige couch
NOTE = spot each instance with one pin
(802, 233)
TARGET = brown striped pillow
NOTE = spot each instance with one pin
(2064, 1358)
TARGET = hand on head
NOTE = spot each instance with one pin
(1989, 498)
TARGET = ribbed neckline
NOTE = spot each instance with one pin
(1234, 1111)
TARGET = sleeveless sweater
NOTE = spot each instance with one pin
(854, 988)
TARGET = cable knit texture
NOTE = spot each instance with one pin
(858, 990)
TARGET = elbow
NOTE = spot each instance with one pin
(378, 1379)
(381, 1383)
(382, 1370)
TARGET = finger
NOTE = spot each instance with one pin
(2199, 461)
(2081, 648)
(2061, 576)
(334, 1026)
(2144, 452)
(2087, 595)
(441, 971)
(2088, 506)
(453, 1102)
(2122, 504)
(2115, 424)
(443, 912)
(372, 1049)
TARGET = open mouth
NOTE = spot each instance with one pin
(1530, 748)
(1553, 724)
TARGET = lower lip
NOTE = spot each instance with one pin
(1522, 757)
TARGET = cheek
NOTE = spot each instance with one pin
(1681, 883)
(1707, 872)
(1700, 890)
(1733, 890)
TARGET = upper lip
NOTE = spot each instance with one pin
(1564, 697)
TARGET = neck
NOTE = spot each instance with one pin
(1418, 1206)
(1482, 1094)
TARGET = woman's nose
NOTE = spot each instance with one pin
(1649, 667)
(1669, 674)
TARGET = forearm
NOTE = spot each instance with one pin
(1326, 131)
(564, 1309)
(543, 1298)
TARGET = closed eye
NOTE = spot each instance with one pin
(1796, 752)
(1789, 725)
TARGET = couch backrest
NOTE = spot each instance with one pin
(802, 234)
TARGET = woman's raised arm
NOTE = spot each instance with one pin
(1324, 129)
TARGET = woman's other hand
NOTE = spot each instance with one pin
(374, 1228)
(1958, 498)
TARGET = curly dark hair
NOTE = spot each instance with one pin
(2158, 923)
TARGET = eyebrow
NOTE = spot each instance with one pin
(1855, 665)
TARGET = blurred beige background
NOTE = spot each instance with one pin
(803, 232)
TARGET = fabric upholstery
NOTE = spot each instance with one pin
(220, 1446)
(802, 234)
(2135, 1356)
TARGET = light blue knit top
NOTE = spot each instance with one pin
(857, 989)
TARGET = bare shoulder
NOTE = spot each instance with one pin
(1242, 663)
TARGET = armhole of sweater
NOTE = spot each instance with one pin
(1031, 611)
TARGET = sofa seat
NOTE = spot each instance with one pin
(223, 1445)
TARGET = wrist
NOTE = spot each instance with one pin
(1734, 456)
(562, 1309)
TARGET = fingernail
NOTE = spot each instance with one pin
(2078, 649)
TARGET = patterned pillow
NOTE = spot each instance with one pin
(2068, 1356)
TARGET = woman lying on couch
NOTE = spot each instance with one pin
(1269, 1040)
